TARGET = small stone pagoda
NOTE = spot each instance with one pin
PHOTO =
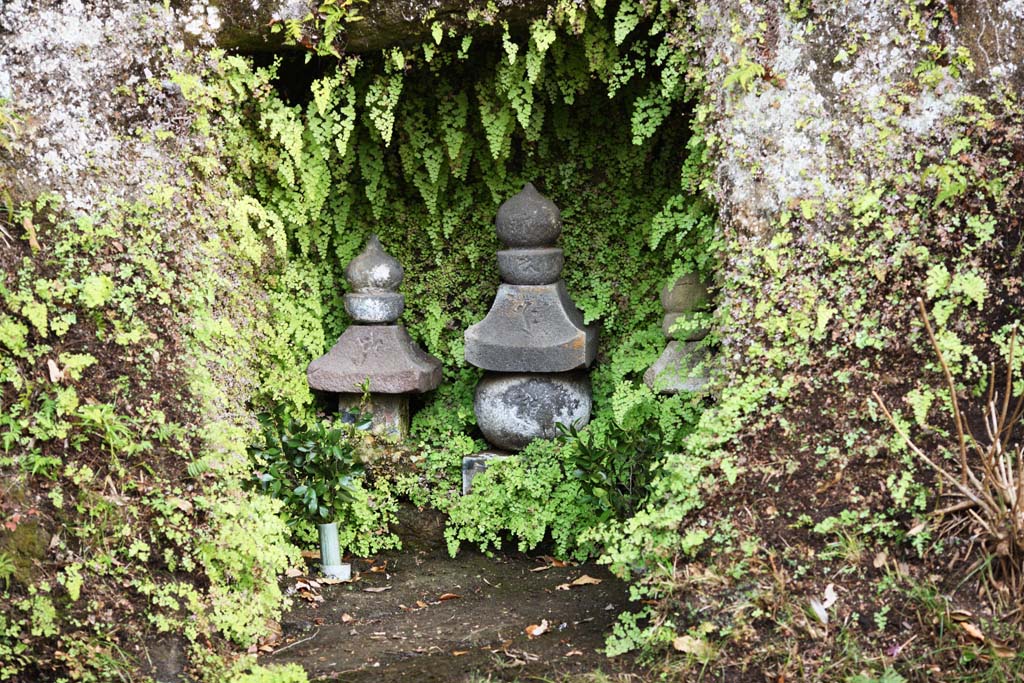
(682, 366)
(533, 342)
(374, 352)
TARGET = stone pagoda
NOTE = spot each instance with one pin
(682, 366)
(533, 343)
(375, 353)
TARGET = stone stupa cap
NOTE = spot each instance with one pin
(528, 219)
(374, 270)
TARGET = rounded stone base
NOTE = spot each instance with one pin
(513, 409)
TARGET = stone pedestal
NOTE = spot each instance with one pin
(389, 413)
(683, 365)
(473, 465)
(375, 354)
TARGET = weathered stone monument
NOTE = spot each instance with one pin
(682, 366)
(374, 353)
(533, 342)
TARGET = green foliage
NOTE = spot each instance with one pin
(316, 472)
(322, 29)
(286, 673)
(311, 469)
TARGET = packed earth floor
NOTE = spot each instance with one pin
(420, 615)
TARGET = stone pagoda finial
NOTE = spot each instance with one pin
(533, 325)
(533, 342)
(375, 351)
(374, 277)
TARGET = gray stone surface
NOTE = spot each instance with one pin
(383, 354)
(473, 465)
(688, 293)
(374, 307)
(682, 366)
(514, 409)
(374, 270)
(530, 266)
(531, 329)
(389, 412)
(528, 219)
(670, 320)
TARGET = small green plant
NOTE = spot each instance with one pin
(7, 569)
(322, 28)
(616, 471)
(312, 469)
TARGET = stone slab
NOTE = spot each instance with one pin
(530, 266)
(473, 465)
(694, 335)
(688, 293)
(383, 354)
(514, 409)
(535, 328)
(389, 413)
(682, 366)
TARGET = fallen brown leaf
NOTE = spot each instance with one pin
(377, 589)
(574, 653)
(56, 374)
(346, 618)
(586, 580)
(30, 230)
(972, 630)
(542, 568)
(421, 604)
(449, 596)
(459, 653)
(331, 581)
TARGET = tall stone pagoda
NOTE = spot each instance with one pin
(533, 343)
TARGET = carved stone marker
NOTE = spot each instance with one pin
(682, 366)
(375, 353)
(533, 342)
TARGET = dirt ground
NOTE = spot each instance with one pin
(419, 615)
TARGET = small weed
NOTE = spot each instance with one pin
(7, 569)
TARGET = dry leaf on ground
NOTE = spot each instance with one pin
(584, 580)
(377, 589)
(973, 631)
